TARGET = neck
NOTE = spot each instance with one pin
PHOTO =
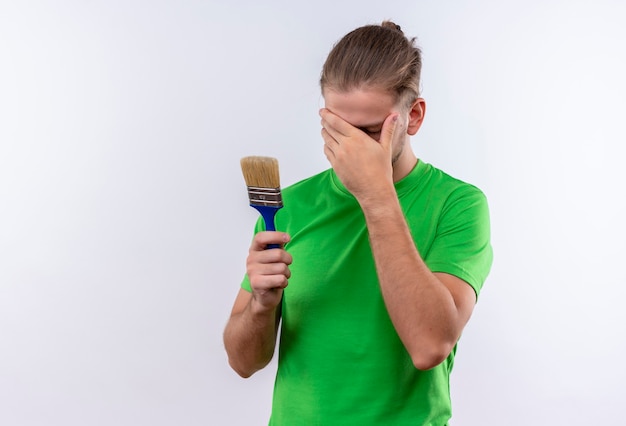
(404, 162)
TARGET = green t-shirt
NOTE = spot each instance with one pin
(341, 361)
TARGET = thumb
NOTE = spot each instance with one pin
(388, 130)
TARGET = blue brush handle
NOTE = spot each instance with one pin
(268, 213)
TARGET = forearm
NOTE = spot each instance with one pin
(250, 339)
(420, 306)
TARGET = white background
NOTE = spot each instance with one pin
(124, 222)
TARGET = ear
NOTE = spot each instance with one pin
(416, 116)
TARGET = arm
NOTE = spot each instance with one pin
(251, 331)
(428, 310)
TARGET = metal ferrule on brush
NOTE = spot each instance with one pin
(263, 182)
(269, 197)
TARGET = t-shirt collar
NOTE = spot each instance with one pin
(402, 186)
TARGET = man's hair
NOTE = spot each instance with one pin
(377, 56)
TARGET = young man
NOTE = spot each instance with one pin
(381, 262)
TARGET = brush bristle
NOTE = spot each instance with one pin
(261, 172)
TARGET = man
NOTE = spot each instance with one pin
(381, 259)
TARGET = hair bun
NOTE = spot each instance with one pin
(391, 25)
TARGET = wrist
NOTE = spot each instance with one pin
(378, 201)
(263, 311)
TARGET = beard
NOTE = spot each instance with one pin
(397, 153)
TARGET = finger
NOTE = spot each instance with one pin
(268, 282)
(335, 125)
(329, 140)
(330, 147)
(259, 255)
(269, 269)
(330, 155)
(329, 134)
(257, 260)
(268, 275)
(262, 239)
(388, 130)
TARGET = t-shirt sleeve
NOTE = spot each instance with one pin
(462, 244)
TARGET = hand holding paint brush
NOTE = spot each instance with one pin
(263, 181)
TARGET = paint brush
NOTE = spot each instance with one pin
(263, 181)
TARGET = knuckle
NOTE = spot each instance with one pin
(283, 282)
(256, 282)
(273, 256)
